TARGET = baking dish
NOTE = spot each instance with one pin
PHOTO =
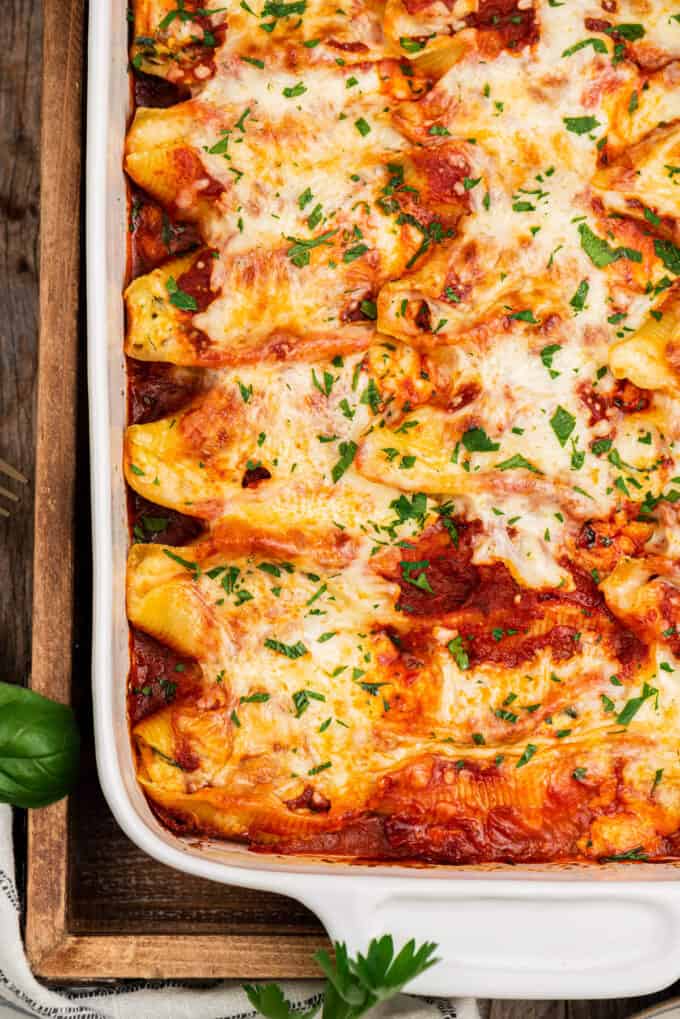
(541, 932)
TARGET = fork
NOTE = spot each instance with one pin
(16, 475)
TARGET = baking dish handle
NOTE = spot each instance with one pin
(500, 939)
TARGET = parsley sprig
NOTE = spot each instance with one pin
(353, 985)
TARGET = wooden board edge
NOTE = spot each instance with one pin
(77, 957)
(55, 468)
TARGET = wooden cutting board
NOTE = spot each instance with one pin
(97, 907)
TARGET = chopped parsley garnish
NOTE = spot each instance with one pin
(669, 254)
(516, 462)
(631, 708)
(597, 45)
(476, 440)
(411, 45)
(525, 316)
(255, 698)
(601, 446)
(278, 9)
(578, 301)
(415, 573)
(600, 252)
(631, 854)
(179, 298)
(460, 655)
(305, 198)
(529, 752)
(631, 32)
(355, 252)
(303, 698)
(562, 424)
(295, 90)
(188, 564)
(547, 355)
(347, 450)
(581, 125)
(292, 651)
(299, 252)
(327, 384)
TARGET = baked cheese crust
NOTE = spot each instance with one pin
(404, 347)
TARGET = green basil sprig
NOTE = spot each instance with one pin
(39, 748)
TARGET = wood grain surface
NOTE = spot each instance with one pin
(101, 900)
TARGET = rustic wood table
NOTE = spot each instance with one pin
(20, 44)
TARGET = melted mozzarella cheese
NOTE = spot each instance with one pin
(435, 456)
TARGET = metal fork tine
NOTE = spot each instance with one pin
(9, 495)
(3, 512)
(12, 472)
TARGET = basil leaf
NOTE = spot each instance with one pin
(39, 748)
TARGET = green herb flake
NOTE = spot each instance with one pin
(600, 252)
(179, 298)
(597, 45)
(580, 125)
(347, 450)
(476, 440)
(529, 752)
(562, 424)
(631, 708)
(517, 462)
(297, 650)
(459, 653)
(578, 301)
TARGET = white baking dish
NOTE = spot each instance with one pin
(528, 932)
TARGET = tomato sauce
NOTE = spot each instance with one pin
(155, 235)
(158, 93)
(196, 280)
(150, 522)
(511, 26)
(440, 583)
(158, 676)
(156, 390)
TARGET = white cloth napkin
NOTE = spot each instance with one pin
(21, 994)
